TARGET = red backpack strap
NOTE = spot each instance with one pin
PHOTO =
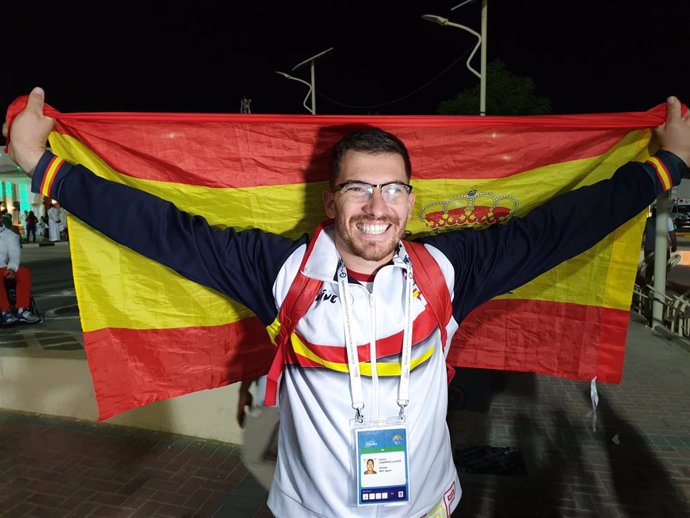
(432, 284)
(300, 297)
(298, 300)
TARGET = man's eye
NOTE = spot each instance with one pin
(356, 188)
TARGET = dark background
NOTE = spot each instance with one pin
(199, 56)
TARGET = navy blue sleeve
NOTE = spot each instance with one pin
(242, 265)
(490, 262)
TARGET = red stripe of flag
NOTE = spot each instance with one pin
(493, 337)
(284, 150)
(170, 356)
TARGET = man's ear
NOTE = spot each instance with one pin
(329, 204)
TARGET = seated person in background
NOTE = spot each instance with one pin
(10, 257)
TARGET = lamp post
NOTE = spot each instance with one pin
(663, 212)
(312, 85)
(481, 42)
(311, 109)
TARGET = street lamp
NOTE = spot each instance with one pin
(311, 109)
(312, 85)
(481, 42)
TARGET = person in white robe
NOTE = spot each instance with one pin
(54, 223)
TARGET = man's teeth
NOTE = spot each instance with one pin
(373, 229)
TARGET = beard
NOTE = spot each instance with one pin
(370, 250)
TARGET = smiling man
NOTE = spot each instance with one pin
(370, 198)
(364, 370)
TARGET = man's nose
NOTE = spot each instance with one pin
(376, 204)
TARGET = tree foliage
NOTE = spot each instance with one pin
(506, 94)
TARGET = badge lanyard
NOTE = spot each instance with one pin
(382, 446)
(353, 358)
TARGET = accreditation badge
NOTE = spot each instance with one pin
(382, 464)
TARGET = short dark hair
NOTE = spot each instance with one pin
(373, 141)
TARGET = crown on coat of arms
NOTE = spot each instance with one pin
(473, 208)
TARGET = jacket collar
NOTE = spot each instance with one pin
(322, 257)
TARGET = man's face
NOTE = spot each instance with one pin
(368, 230)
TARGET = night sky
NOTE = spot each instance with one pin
(585, 56)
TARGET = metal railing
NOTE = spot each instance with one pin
(675, 308)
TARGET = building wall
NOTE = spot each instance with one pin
(62, 387)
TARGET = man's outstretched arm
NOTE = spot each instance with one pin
(241, 265)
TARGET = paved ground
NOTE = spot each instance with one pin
(546, 460)
(525, 446)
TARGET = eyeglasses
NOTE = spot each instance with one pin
(391, 192)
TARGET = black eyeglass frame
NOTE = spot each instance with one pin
(341, 186)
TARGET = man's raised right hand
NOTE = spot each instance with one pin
(29, 132)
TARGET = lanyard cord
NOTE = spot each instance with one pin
(405, 357)
(353, 357)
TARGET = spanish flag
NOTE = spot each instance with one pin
(150, 334)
